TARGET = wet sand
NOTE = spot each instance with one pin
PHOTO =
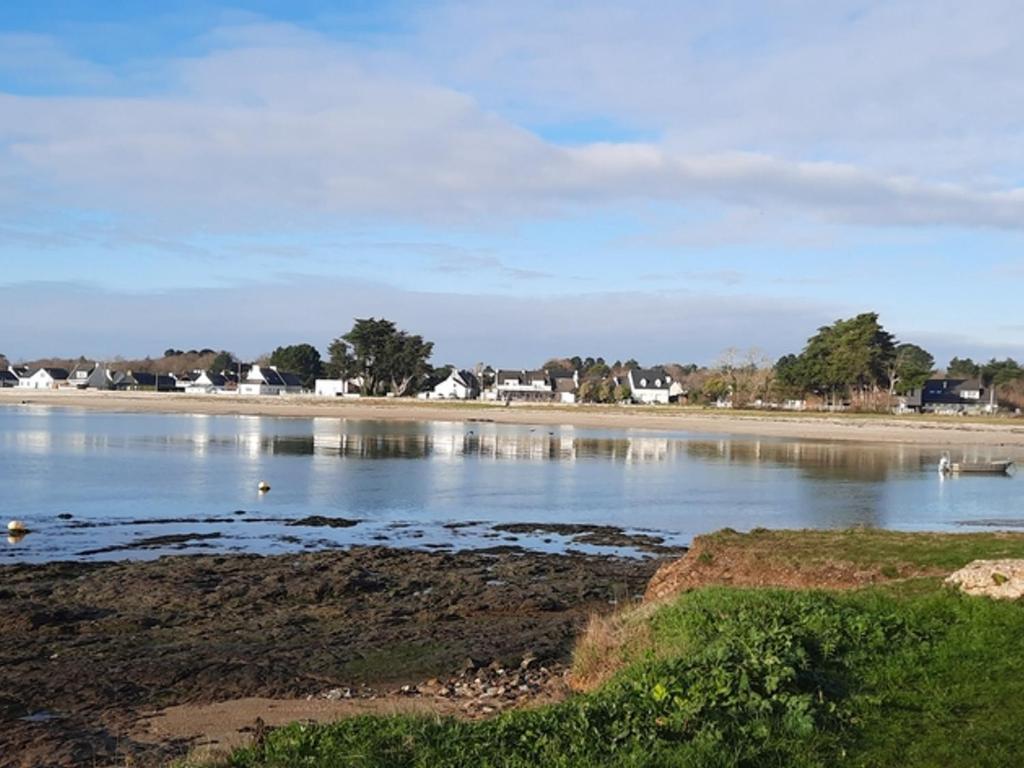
(137, 663)
(911, 429)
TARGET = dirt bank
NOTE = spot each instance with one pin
(824, 559)
(946, 431)
(88, 651)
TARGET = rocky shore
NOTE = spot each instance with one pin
(92, 652)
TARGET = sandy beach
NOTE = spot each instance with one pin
(911, 429)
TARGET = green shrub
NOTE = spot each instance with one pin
(740, 678)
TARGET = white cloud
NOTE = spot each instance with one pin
(285, 128)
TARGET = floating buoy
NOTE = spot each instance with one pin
(17, 526)
(263, 487)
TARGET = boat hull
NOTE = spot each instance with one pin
(981, 468)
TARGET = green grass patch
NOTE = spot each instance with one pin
(743, 677)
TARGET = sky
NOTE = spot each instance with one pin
(513, 180)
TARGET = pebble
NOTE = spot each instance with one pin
(480, 690)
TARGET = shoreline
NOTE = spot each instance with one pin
(916, 430)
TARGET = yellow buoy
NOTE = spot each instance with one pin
(17, 526)
(264, 486)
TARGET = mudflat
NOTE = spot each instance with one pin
(127, 662)
(911, 429)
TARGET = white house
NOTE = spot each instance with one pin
(338, 387)
(267, 380)
(460, 385)
(650, 385)
(531, 386)
(565, 388)
(205, 383)
(45, 378)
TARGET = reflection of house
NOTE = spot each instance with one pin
(45, 378)
(144, 381)
(950, 396)
(650, 385)
(267, 380)
(460, 385)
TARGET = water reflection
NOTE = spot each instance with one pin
(180, 469)
(835, 460)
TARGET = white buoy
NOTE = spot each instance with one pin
(263, 487)
(17, 526)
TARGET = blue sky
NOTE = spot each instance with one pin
(658, 180)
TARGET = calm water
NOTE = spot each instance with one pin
(127, 477)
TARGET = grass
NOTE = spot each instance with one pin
(909, 673)
(866, 547)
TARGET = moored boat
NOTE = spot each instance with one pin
(1000, 467)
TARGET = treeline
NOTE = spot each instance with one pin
(853, 362)
(856, 361)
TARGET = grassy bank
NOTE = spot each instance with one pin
(903, 672)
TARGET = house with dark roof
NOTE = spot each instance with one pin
(950, 396)
(206, 382)
(268, 380)
(460, 385)
(101, 377)
(45, 378)
(79, 375)
(566, 386)
(537, 386)
(143, 381)
(650, 385)
(8, 378)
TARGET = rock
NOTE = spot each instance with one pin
(999, 579)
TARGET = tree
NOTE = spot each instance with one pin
(302, 359)
(999, 373)
(224, 361)
(406, 361)
(790, 376)
(746, 377)
(910, 368)
(381, 354)
(963, 368)
(851, 356)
